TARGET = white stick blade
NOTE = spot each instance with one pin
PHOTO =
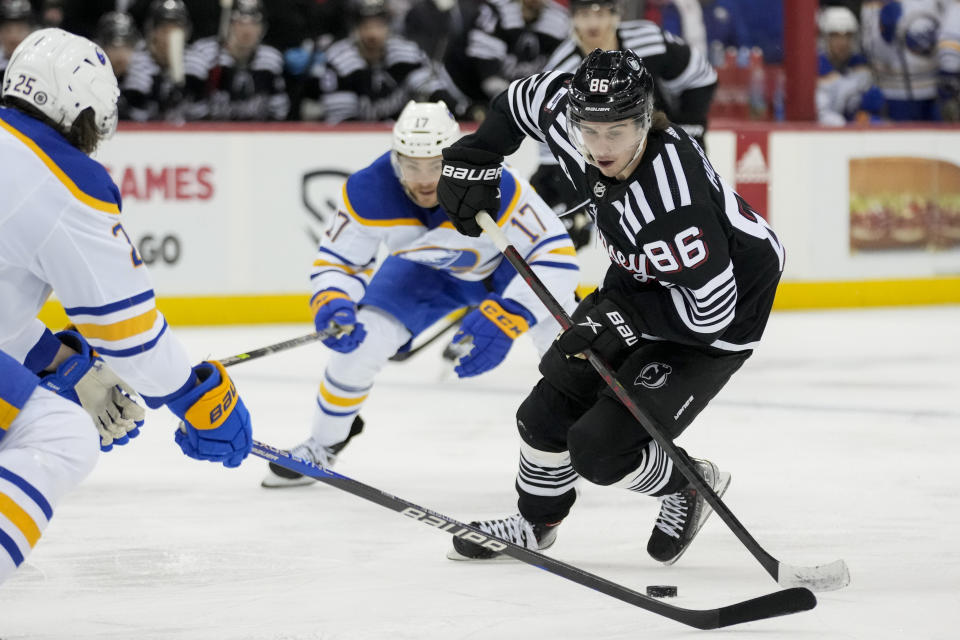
(824, 577)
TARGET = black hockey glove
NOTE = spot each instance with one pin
(470, 183)
(605, 329)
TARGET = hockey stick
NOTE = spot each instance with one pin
(333, 330)
(825, 577)
(779, 603)
(455, 318)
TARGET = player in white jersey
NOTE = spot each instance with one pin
(431, 270)
(900, 40)
(60, 231)
(948, 63)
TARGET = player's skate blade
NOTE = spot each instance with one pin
(280, 477)
(515, 529)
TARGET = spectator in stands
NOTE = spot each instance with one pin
(372, 74)
(435, 24)
(720, 21)
(83, 16)
(118, 36)
(240, 79)
(764, 20)
(509, 39)
(154, 86)
(51, 13)
(948, 63)
(845, 90)
(16, 23)
(900, 41)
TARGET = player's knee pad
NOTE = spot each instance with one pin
(52, 443)
(544, 417)
(604, 443)
(385, 334)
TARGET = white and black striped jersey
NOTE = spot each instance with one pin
(350, 88)
(220, 88)
(148, 92)
(685, 80)
(501, 46)
(691, 261)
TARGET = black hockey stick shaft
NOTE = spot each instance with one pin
(769, 563)
(779, 603)
(282, 346)
(454, 322)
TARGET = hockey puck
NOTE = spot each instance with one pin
(662, 591)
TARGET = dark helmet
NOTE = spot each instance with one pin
(116, 29)
(610, 86)
(360, 9)
(16, 11)
(576, 5)
(164, 11)
(247, 10)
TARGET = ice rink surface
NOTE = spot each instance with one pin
(842, 434)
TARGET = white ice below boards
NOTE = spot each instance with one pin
(841, 431)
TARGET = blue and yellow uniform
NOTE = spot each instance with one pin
(60, 229)
(431, 269)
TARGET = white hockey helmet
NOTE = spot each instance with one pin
(62, 75)
(838, 20)
(423, 129)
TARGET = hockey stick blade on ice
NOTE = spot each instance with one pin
(827, 577)
(772, 605)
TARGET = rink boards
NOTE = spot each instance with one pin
(227, 217)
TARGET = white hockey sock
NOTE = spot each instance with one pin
(543, 473)
(652, 474)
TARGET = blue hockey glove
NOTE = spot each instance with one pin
(86, 379)
(491, 328)
(334, 308)
(216, 424)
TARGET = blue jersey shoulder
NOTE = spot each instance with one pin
(375, 194)
(86, 178)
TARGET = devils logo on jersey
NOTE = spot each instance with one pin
(653, 375)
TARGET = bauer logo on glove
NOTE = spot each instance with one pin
(475, 175)
(216, 424)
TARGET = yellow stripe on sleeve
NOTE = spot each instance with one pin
(20, 519)
(342, 267)
(122, 329)
(90, 201)
(564, 251)
(8, 413)
(392, 222)
(339, 401)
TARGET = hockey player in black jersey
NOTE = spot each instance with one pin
(684, 83)
(685, 301)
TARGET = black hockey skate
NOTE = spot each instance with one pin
(515, 529)
(279, 477)
(682, 514)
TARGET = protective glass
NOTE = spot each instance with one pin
(602, 142)
(419, 170)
